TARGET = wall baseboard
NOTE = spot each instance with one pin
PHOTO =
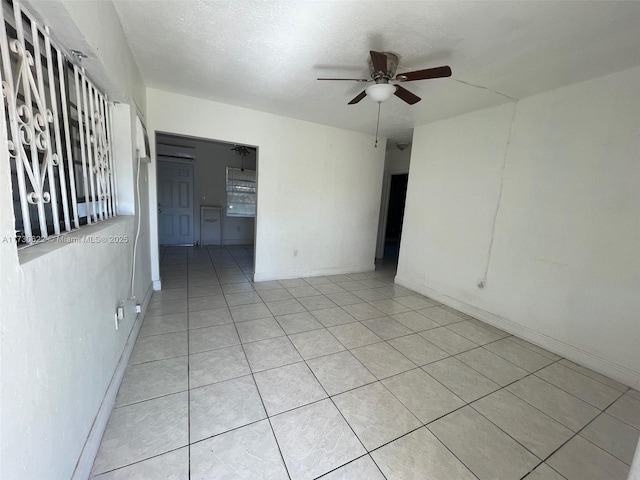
(92, 444)
(157, 284)
(267, 276)
(238, 242)
(598, 364)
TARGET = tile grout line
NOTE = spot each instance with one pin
(325, 355)
(95, 477)
(387, 341)
(625, 394)
(349, 463)
(423, 425)
(259, 396)
(529, 373)
(188, 381)
(591, 378)
(153, 456)
(448, 413)
(529, 473)
(577, 433)
(333, 402)
(469, 403)
(371, 383)
(574, 434)
(569, 393)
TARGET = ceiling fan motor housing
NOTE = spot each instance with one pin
(382, 70)
(384, 77)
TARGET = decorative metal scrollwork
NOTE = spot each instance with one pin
(32, 124)
(39, 143)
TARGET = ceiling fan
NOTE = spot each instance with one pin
(382, 67)
(243, 151)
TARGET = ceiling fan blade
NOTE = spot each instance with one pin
(437, 72)
(360, 96)
(347, 79)
(379, 61)
(406, 95)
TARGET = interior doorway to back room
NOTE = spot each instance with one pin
(207, 192)
(395, 215)
(392, 201)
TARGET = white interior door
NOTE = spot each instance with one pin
(175, 203)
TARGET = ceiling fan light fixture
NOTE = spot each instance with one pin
(380, 92)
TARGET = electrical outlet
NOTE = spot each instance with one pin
(138, 308)
(119, 315)
(295, 253)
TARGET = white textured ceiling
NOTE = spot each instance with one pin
(266, 55)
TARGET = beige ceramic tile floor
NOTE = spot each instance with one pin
(348, 377)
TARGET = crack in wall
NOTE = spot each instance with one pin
(483, 280)
(513, 99)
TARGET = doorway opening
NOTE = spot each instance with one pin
(207, 195)
(394, 193)
(395, 215)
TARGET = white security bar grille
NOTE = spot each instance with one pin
(241, 192)
(59, 133)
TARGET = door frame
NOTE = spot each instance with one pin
(153, 197)
(384, 208)
(189, 161)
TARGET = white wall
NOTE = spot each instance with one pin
(210, 170)
(397, 160)
(318, 186)
(60, 348)
(563, 264)
(100, 26)
(58, 345)
(93, 27)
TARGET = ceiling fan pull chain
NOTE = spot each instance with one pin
(377, 126)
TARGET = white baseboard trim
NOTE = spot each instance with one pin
(267, 276)
(92, 444)
(157, 285)
(594, 362)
